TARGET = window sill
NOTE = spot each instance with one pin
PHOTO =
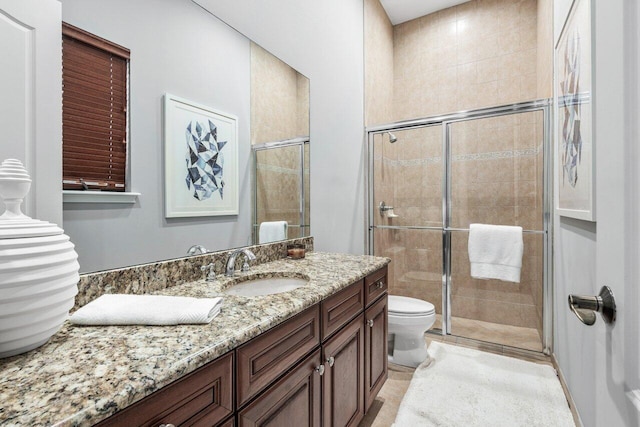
(73, 196)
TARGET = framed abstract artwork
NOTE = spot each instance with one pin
(200, 160)
(574, 113)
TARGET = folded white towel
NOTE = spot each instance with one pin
(273, 231)
(495, 252)
(122, 309)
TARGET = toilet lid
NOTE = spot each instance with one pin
(409, 306)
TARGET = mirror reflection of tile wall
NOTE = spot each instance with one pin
(279, 99)
(279, 112)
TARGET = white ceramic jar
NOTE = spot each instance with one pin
(38, 270)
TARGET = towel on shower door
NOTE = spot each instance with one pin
(272, 231)
(495, 252)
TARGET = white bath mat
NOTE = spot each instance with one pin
(466, 387)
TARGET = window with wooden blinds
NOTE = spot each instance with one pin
(94, 111)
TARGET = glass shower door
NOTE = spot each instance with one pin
(406, 177)
(496, 177)
(282, 187)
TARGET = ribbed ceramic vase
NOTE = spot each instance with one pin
(38, 270)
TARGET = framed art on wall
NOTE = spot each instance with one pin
(574, 112)
(200, 160)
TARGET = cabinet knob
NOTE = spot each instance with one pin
(320, 370)
(167, 425)
(380, 284)
(331, 360)
(370, 323)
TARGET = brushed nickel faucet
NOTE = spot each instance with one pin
(195, 249)
(210, 270)
(231, 261)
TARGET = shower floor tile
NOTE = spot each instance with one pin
(511, 336)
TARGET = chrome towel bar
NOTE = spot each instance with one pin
(417, 227)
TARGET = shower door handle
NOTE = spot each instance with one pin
(585, 307)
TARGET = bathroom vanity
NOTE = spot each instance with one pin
(324, 366)
(313, 356)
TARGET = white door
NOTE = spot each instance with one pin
(618, 217)
(601, 363)
(30, 104)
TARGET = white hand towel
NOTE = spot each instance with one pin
(273, 231)
(122, 309)
(495, 252)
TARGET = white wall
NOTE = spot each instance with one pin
(600, 363)
(324, 41)
(176, 47)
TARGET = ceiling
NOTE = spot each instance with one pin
(400, 11)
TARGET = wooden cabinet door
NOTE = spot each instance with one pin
(343, 379)
(376, 324)
(271, 354)
(294, 400)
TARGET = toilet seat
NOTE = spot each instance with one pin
(409, 307)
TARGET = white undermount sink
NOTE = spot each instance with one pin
(266, 286)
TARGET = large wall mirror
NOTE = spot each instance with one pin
(280, 144)
(180, 48)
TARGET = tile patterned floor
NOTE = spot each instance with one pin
(384, 409)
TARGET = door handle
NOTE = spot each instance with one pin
(585, 307)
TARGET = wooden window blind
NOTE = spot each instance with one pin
(94, 111)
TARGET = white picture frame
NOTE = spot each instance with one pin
(200, 160)
(574, 112)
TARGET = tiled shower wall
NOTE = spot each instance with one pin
(478, 54)
(279, 111)
(408, 176)
(378, 56)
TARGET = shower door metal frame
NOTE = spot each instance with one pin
(300, 142)
(446, 121)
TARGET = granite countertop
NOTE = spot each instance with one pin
(85, 373)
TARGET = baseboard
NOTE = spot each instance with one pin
(567, 394)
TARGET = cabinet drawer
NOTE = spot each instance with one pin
(340, 308)
(266, 357)
(206, 393)
(294, 400)
(375, 285)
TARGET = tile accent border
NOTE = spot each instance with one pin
(508, 154)
(279, 169)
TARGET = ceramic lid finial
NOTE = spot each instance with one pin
(14, 186)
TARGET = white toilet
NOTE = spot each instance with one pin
(409, 319)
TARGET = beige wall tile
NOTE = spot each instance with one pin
(478, 54)
(379, 69)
